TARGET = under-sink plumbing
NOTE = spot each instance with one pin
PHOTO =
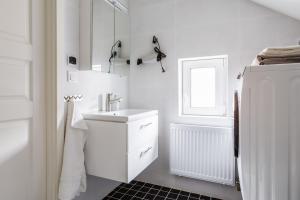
(112, 99)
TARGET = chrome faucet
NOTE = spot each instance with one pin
(110, 100)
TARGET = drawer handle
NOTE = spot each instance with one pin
(145, 125)
(144, 152)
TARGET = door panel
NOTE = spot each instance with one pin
(15, 20)
(14, 78)
(15, 100)
(14, 160)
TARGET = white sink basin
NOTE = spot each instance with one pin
(120, 115)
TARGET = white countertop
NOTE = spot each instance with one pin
(124, 115)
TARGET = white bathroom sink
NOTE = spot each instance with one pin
(125, 115)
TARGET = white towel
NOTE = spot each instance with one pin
(73, 176)
(280, 55)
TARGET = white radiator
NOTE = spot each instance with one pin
(204, 153)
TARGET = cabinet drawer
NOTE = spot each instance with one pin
(141, 158)
(141, 132)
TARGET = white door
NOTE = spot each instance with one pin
(16, 101)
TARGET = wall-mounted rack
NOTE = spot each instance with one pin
(73, 98)
(155, 56)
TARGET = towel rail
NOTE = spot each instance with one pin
(73, 98)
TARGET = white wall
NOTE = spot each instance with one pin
(186, 28)
(287, 7)
(90, 84)
(193, 28)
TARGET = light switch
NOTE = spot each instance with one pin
(72, 77)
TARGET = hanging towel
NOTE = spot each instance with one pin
(236, 124)
(73, 176)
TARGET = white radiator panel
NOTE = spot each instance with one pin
(204, 153)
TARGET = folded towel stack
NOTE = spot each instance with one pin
(278, 56)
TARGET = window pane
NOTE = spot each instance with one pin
(203, 87)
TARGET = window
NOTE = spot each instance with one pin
(203, 86)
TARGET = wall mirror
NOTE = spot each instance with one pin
(109, 38)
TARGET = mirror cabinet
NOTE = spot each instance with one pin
(105, 36)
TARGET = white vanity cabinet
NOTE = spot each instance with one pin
(121, 150)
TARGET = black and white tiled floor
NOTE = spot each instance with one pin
(136, 190)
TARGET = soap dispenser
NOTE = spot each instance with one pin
(102, 102)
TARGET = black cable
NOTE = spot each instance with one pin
(112, 52)
(160, 54)
(162, 67)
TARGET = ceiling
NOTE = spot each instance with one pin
(287, 7)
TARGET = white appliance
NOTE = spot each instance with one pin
(202, 152)
(269, 136)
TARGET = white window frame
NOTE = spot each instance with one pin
(185, 65)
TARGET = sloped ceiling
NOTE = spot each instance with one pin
(287, 7)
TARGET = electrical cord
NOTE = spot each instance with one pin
(113, 53)
(160, 54)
